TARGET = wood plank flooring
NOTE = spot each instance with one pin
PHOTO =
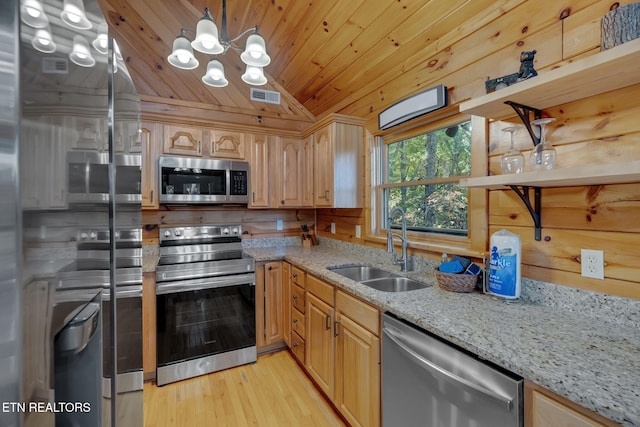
(274, 391)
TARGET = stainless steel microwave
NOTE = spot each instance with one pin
(204, 181)
(88, 177)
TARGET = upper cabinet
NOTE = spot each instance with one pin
(227, 144)
(182, 140)
(338, 153)
(291, 169)
(259, 173)
(150, 138)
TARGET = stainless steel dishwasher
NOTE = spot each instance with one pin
(428, 382)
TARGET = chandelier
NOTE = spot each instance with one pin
(207, 41)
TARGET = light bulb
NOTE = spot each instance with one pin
(183, 57)
(207, 44)
(33, 11)
(74, 17)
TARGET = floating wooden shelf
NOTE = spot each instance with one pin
(613, 173)
(612, 69)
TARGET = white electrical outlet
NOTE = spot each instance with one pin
(333, 228)
(358, 232)
(279, 225)
(592, 263)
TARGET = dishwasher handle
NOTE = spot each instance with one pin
(438, 370)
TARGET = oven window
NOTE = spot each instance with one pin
(205, 322)
(194, 181)
(98, 178)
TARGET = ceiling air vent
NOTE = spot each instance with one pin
(262, 95)
(55, 66)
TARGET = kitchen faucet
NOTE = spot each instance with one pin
(402, 262)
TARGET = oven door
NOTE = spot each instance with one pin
(204, 325)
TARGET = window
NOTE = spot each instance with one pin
(421, 174)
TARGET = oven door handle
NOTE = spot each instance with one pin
(208, 283)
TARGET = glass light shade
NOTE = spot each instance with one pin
(182, 55)
(215, 74)
(43, 42)
(206, 40)
(255, 53)
(101, 42)
(73, 15)
(81, 55)
(32, 14)
(254, 76)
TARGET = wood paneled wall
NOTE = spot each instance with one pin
(601, 129)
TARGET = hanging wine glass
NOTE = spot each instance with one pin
(512, 160)
(543, 155)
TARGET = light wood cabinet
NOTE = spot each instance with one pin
(182, 140)
(269, 306)
(357, 394)
(544, 408)
(286, 303)
(320, 343)
(88, 133)
(338, 153)
(227, 144)
(294, 279)
(260, 173)
(43, 163)
(307, 172)
(150, 139)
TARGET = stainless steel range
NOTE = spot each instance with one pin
(205, 295)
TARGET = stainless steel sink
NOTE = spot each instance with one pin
(394, 284)
(378, 279)
(362, 272)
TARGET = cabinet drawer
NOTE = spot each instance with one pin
(297, 298)
(360, 312)
(297, 347)
(322, 290)
(297, 322)
(297, 276)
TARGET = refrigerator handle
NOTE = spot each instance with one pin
(441, 372)
(79, 331)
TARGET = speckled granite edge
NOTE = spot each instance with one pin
(583, 355)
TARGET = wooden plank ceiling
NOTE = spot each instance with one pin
(345, 56)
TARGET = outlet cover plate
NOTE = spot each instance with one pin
(279, 225)
(333, 228)
(592, 263)
(358, 232)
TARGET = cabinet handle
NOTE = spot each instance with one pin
(326, 195)
(335, 328)
(327, 322)
(282, 202)
(295, 297)
(199, 147)
(270, 268)
(295, 320)
(295, 344)
(295, 275)
(253, 195)
(151, 201)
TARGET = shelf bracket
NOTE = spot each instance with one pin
(524, 112)
(524, 193)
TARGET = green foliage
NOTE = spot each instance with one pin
(444, 153)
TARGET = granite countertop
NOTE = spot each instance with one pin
(592, 361)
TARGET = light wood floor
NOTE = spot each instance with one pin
(274, 391)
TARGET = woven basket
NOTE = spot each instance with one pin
(456, 282)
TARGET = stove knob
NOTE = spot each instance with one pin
(117, 235)
(234, 231)
(225, 230)
(93, 235)
(83, 236)
(167, 233)
(177, 232)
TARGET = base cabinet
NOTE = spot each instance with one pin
(342, 350)
(269, 306)
(544, 408)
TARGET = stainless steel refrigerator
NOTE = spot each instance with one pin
(70, 220)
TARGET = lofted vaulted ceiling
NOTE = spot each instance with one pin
(352, 57)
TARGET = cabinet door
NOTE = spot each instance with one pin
(150, 137)
(320, 344)
(259, 174)
(273, 291)
(89, 133)
(323, 164)
(307, 171)
(544, 411)
(357, 373)
(286, 302)
(291, 187)
(182, 140)
(227, 144)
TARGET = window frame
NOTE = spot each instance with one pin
(475, 243)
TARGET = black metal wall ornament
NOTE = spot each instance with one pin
(526, 72)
